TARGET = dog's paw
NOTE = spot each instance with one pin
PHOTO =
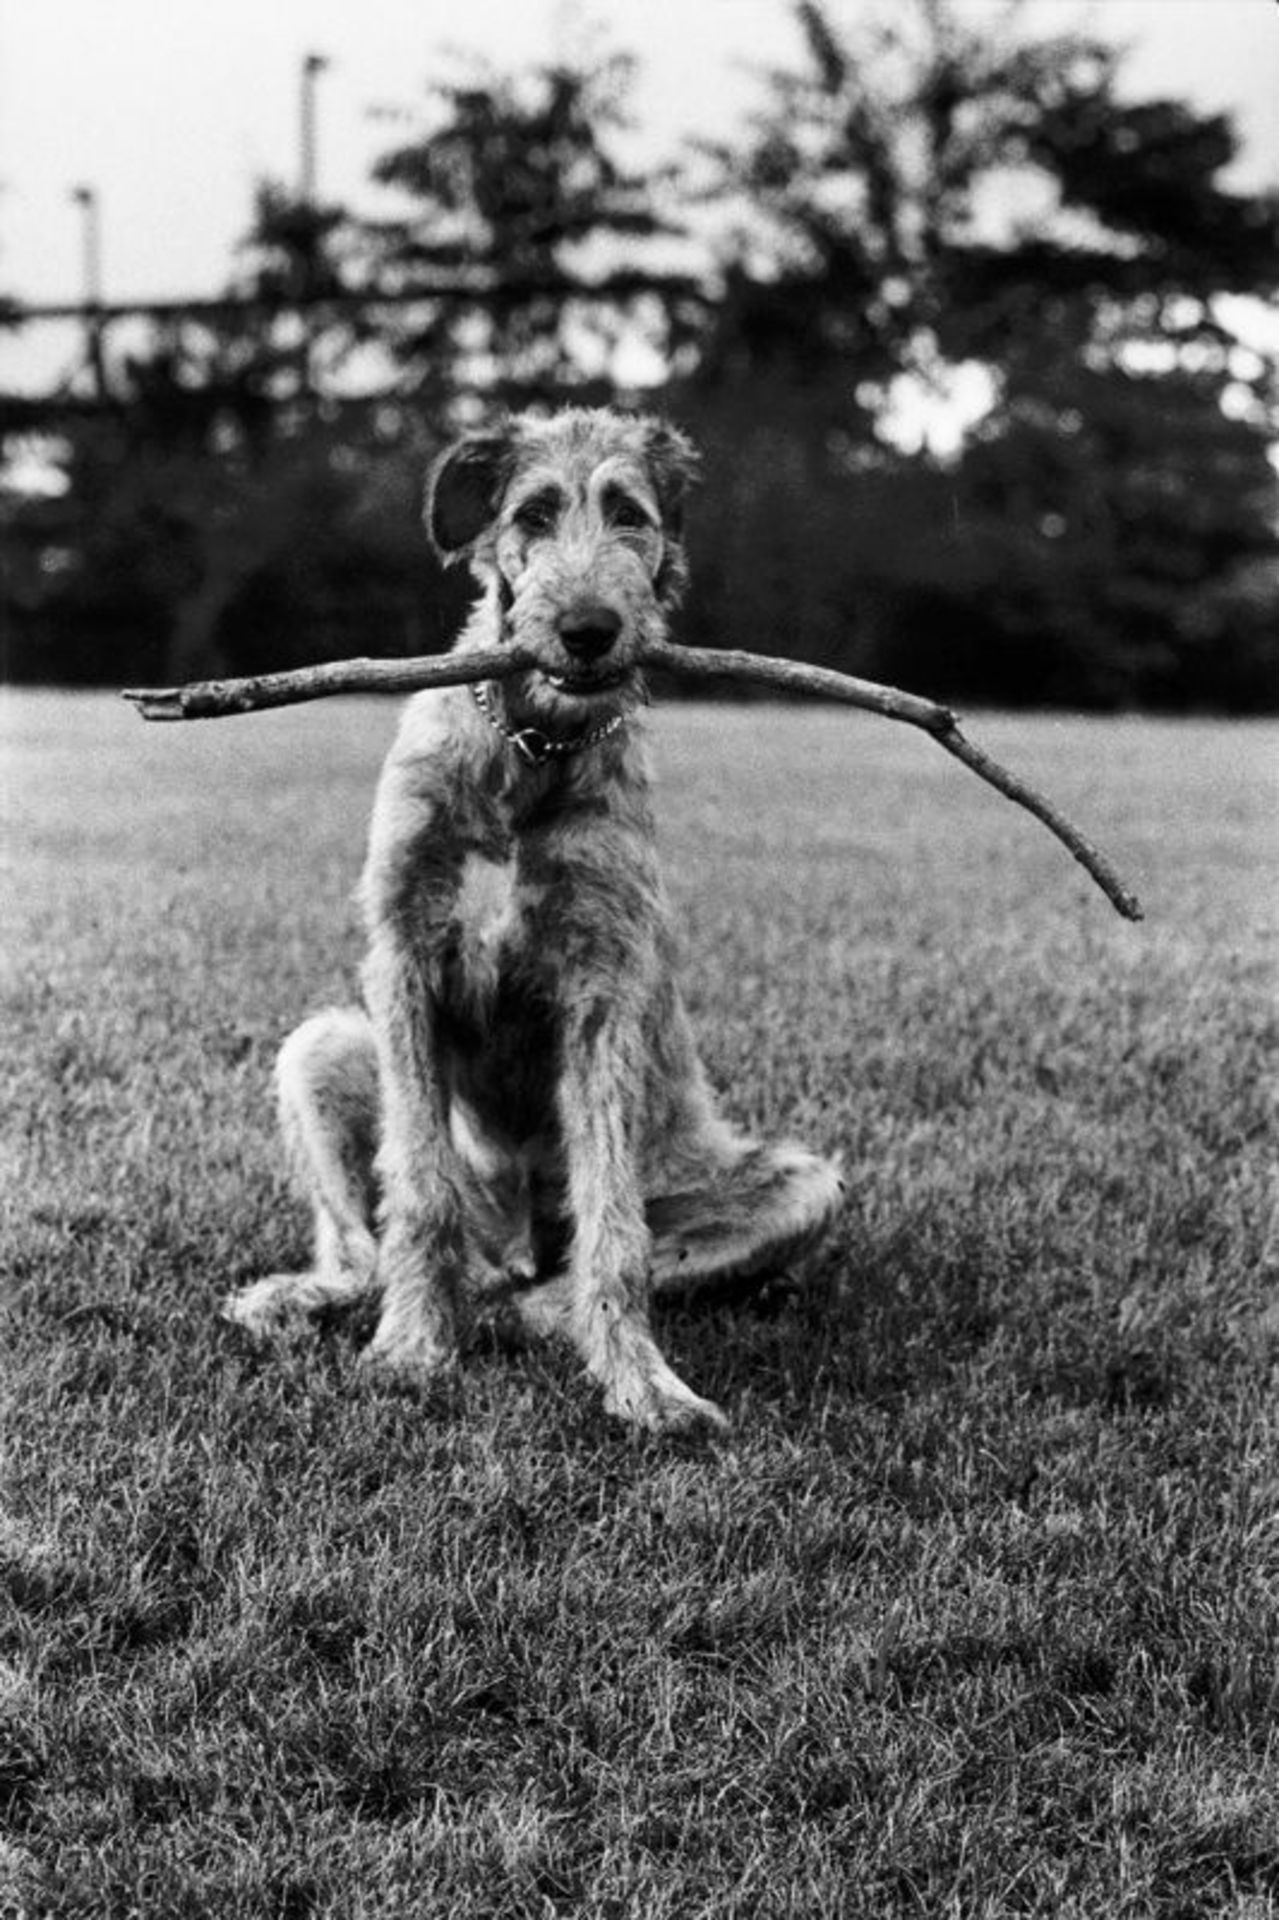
(268, 1308)
(415, 1360)
(658, 1401)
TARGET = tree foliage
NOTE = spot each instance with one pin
(935, 198)
(517, 183)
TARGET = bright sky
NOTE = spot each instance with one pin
(172, 109)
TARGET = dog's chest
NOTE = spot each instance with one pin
(489, 926)
(496, 1024)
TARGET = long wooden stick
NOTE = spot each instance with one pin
(211, 699)
(214, 699)
(704, 663)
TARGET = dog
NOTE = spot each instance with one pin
(519, 1109)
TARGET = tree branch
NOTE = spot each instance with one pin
(211, 699)
(792, 676)
(215, 699)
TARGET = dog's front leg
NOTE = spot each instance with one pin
(421, 1246)
(600, 1112)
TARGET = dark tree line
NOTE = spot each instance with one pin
(924, 210)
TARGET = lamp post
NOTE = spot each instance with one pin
(86, 198)
(312, 67)
(308, 258)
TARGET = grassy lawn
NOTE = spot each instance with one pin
(975, 1613)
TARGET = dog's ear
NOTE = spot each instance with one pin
(674, 464)
(465, 488)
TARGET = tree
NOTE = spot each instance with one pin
(884, 178)
(516, 184)
(212, 516)
(935, 196)
(301, 255)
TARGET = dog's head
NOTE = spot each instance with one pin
(576, 524)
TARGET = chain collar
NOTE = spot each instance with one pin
(536, 746)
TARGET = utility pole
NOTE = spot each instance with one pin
(86, 198)
(308, 188)
(312, 67)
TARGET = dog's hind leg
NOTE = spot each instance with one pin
(327, 1085)
(731, 1209)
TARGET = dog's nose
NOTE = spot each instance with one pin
(589, 632)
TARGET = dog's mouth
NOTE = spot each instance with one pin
(586, 686)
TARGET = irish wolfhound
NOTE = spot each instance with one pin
(521, 1109)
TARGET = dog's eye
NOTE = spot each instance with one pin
(626, 513)
(537, 515)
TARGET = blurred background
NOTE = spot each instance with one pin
(970, 306)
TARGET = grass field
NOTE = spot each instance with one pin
(975, 1613)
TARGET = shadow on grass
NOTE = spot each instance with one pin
(856, 1321)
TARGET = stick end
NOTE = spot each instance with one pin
(154, 703)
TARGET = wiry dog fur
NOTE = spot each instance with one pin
(521, 1108)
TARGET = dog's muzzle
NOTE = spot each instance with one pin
(588, 634)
